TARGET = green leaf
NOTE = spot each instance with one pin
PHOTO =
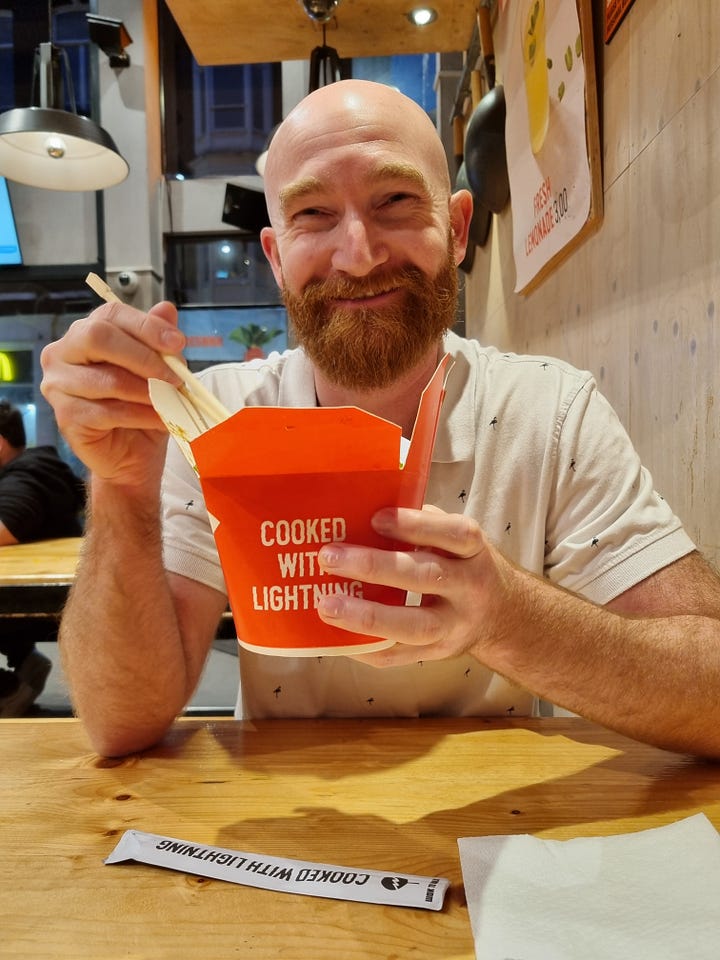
(253, 335)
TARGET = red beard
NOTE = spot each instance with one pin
(367, 349)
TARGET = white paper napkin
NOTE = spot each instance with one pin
(652, 895)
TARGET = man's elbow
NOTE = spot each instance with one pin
(114, 743)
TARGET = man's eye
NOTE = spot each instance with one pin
(400, 201)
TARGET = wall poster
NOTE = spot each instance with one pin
(551, 131)
(615, 10)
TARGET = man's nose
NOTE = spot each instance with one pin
(360, 247)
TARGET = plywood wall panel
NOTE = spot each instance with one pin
(675, 194)
(638, 303)
(673, 52)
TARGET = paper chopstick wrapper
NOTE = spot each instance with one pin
(280, 874)
(280, 482)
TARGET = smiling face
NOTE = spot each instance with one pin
(365, 237)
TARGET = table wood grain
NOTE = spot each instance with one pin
(35, 577)
(387, 794)
(44, 562)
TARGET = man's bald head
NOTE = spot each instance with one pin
(347, 114)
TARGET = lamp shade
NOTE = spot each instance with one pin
(58, 150)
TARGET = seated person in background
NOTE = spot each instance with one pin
(40, 499)
(549, 566)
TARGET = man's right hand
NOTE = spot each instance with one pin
(96, 380)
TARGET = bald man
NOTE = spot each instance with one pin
(548, 565)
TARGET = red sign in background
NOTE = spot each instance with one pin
(615, 10)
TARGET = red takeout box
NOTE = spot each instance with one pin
(281, 482)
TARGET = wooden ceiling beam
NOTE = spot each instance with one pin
(246, 31)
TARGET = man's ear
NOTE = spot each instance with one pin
(461, 210)
(268, 241)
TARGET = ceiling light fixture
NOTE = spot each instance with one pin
(322, 11)
(324, 61)
(422, 16)
(324, 66)
(47, 146)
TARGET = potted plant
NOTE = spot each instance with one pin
(254, 338)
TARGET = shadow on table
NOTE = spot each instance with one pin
(636, 782)
(612, 794)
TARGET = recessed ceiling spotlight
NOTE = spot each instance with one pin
(422, 16)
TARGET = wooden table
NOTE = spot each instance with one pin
(388, 794)
(35, 577)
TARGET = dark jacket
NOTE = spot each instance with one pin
(40, 497)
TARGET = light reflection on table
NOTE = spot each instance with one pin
(387, 794)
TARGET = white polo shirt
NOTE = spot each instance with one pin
(530, 448)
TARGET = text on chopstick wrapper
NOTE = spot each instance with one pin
(281, 874)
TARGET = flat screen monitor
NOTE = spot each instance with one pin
(10, 254)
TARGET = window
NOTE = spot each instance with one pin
(7, 78)
(216, 119)
(413, 74)
(222, 334)
(23, 27)
(228, 269)
(70, 33)
(229, 304)
(233, 113)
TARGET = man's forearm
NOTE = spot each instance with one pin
(655, 679)
(120, 642)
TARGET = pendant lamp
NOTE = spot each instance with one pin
(321, 11)
(325, 64)
(324, 60)
(47, 146)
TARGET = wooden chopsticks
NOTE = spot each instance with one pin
(205, 403)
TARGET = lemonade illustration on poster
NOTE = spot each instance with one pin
(548, 165)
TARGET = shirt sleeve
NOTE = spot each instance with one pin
(608, 528)
(188, 542)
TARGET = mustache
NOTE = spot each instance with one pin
(352, 288)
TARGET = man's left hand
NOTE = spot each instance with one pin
(458, 574)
